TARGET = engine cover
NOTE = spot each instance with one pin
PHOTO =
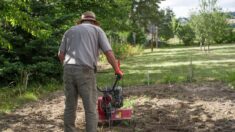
(117, 97)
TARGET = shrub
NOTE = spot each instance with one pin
(10, 72)
(42, 72)
(124, 50)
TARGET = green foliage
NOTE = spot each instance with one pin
(13, 15)
(144, 12)
(140, 37)
(175, 25)
(10, 72)
(28, 96)
(125, 50)
(186, 34)
(129, 102)
(230, 37)
(30, 45)
(210, 24)
(30, 33)
(14, 73)
(165, 25)
(44, 71)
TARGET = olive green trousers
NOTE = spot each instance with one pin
(80, 81)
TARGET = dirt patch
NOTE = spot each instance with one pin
(158, 108)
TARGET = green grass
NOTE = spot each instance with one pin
(13, 97)
(172, 65)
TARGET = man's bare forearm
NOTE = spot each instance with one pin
(111, 59)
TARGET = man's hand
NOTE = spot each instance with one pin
(61, 56)
(119, 73)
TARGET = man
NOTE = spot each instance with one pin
(79, 51)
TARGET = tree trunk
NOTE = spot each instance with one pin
(201, 45)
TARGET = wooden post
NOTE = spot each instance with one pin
(156, 37)
(152, 40)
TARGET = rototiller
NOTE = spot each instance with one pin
(109, 105)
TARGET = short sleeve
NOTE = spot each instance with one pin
(103, 41)
(63, 43)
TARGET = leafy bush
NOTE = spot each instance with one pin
(229, 38)
(10, 72)
(124, 50)
(44, 71)
(41, 72)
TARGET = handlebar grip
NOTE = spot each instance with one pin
(113, 87)
(118, 77)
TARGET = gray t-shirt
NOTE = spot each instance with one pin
(81, 44)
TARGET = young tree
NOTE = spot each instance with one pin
(210, 23)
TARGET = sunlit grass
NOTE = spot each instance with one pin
(172, 65)
(28, 96)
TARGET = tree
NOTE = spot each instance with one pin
(210, 23)
(146, 16)
(175, 25)
(186, 34)
(165, 24)
(28, 32)
(31, 30)
(145, 12)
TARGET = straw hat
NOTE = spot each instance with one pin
(88, 16)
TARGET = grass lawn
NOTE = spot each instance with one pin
(172, 65)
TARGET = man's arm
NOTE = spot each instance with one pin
(61, 56)
(62, 48)
(112, 60)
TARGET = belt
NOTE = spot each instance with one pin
(82, 66)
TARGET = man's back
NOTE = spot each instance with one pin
(81, 44)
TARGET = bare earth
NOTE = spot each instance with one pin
(159, 108)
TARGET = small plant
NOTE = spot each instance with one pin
(169, 78)
(129, 102)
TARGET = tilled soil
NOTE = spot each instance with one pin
(207, 107)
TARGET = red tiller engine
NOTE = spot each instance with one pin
(109, 105)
